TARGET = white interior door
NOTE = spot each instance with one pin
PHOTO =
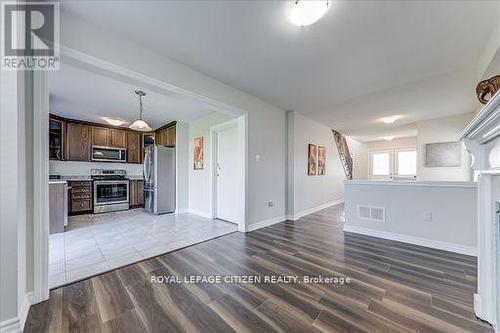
(227, 175)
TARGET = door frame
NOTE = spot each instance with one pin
(240, 124)
(85, 61)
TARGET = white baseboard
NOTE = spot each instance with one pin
(266, 223)
(12, 325)
(181, 211)
(297, 216)
(199, 213)
(16, 324)
(457, 248)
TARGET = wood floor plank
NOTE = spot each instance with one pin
(239, 317)
(111, 296)
(285, 319)
(394, 287)
(79, 310)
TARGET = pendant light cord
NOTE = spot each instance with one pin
(140, 106)
(141, 94)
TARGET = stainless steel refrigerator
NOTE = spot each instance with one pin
(159, 179)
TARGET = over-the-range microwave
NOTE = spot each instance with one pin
(109, 154)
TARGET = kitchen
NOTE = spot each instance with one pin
(115, 188)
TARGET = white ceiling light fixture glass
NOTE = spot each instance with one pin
(306, 12)
(388, 138)
(139, 124)
(113, 121)
(390, 119)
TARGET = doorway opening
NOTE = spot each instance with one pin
(228, 178)
(143, 239)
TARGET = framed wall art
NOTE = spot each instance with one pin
(198, 162)
(321, 160)
(312, 160)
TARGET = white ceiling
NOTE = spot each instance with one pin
(352, 67)
(80, 94)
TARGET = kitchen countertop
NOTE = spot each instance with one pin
(135, 177)
(77, 178)
(70, 178)
(57, 181)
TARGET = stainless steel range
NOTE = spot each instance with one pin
(111, 190)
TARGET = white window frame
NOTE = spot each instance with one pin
(396, 162)
(393, 163)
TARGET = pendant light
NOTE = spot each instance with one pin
(139, 124)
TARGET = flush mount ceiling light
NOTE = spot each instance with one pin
(390, 119)
(388, 138)
(139, 124)
(307, 12)
(113, 121)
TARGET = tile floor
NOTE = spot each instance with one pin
(94, 244)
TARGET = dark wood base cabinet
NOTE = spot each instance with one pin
(57, 208)
(136, 195)
(80, 197)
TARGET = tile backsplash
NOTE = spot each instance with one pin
(67, 168)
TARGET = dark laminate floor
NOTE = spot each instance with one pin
(395, 287)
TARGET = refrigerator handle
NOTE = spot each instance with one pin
(145, 168)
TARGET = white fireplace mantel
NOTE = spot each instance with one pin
(482, 140)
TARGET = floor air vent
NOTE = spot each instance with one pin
(371, 213)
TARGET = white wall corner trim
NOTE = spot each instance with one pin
(266, 223)
(457, 248)
(303, 213)
(16, 324)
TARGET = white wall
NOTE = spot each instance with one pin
(310, 193)
(433, 131)
(265, 123)
(9, 182)
(182, 165)
(199, 180)
(16, 200)
(452, 205)
(71, 168)
(443, 130)
(359, 152)
(391, 144)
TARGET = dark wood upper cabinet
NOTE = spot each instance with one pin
(171, 136)
(109, 137)
(57, 139)
(72, 140)
(100, 136)
(166, 136)
(118, 138)
(133, 147)
(78, 142)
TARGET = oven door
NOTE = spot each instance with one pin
(108, 192)
(109, 154)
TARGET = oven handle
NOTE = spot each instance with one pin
(107, 182)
